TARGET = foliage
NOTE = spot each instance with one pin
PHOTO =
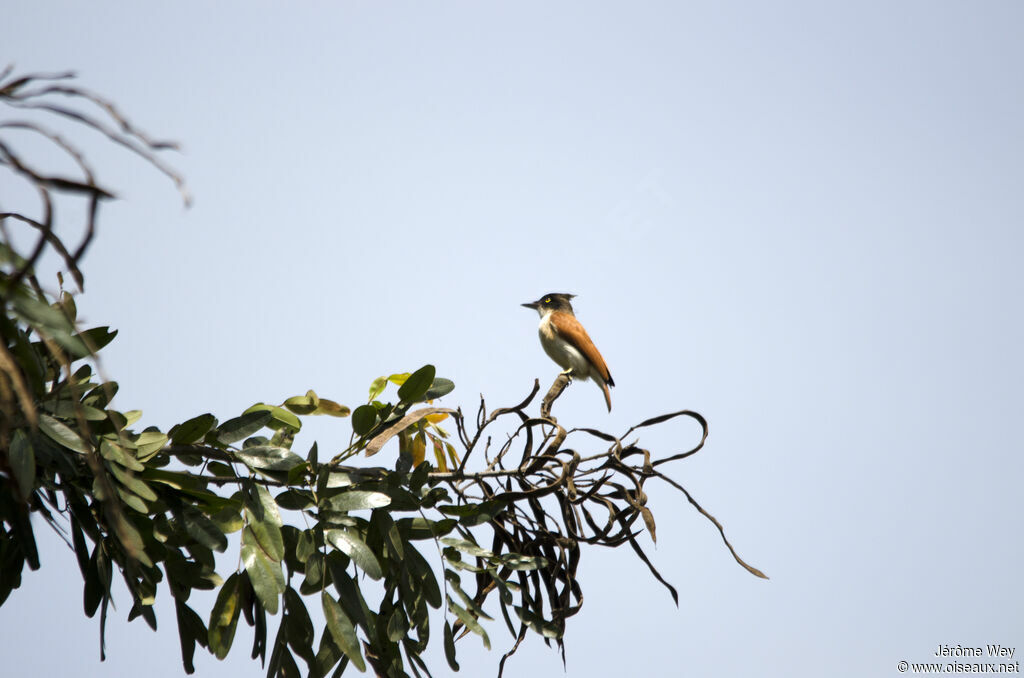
(380, 547)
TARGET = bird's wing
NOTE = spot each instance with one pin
(570, 329)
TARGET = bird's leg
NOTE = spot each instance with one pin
(568, 373)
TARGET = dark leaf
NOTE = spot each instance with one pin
(440, 387)
(539, 624)
(416, 386)
(342, 630)
(295, 500)
(269, 457)
(327, 656)
(23, 463)
(363, 419)
(398, 625)
(81, 548)
(193, 430)
(95, 338)
(449, 646)
(239, 428)
(190, 631)
(298, 625)
(422, 528)
(203, 529)
(224, 617)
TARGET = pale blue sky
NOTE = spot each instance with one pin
(802, 219)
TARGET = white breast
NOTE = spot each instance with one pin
(562, 352)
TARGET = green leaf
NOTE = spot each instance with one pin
(517, 561)
(354, 500)
(112, 451)
(60, 433)
(203, 529)
(420, 569)
(302, 404)
(468, 547)
(449, 646)
(399, 379)
(305, 545)
(94, 339)
(190, 631)
(299, 627)
(279, 417)
(132, 500)
(315, 569)
(220, 469)
(377, 387)
(474, 514)
(398, 625)
(342, 630)
(265, 522)
(193, 430)
(228, 520)
(269, 457)
(295, 500)
(66, 409)
(136, 485)
(474, 609)
(131, 540)
(239, 428)
(539, 624)
(349, 543)
(67, 302)
(469, 621)
(423, 528)
(363, 419)
(224, 617)
(179, 480)
(131, 416)
(266, 576)
(23, 463)
(417, 385)
(440, 387)
(78, 539)
(327, 656)
(149, 443)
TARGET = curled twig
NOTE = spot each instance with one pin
(611, 481)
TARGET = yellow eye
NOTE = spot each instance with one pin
(547, 300)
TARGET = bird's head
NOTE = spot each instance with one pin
(553, 301)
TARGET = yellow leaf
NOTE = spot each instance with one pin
(453, 455)
(439, 454)
(419, 449)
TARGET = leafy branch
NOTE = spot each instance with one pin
(503, 523)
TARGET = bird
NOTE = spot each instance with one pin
(568, 344)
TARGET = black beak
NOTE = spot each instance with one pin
(532, 304)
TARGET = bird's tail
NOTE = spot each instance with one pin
(607, 393)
